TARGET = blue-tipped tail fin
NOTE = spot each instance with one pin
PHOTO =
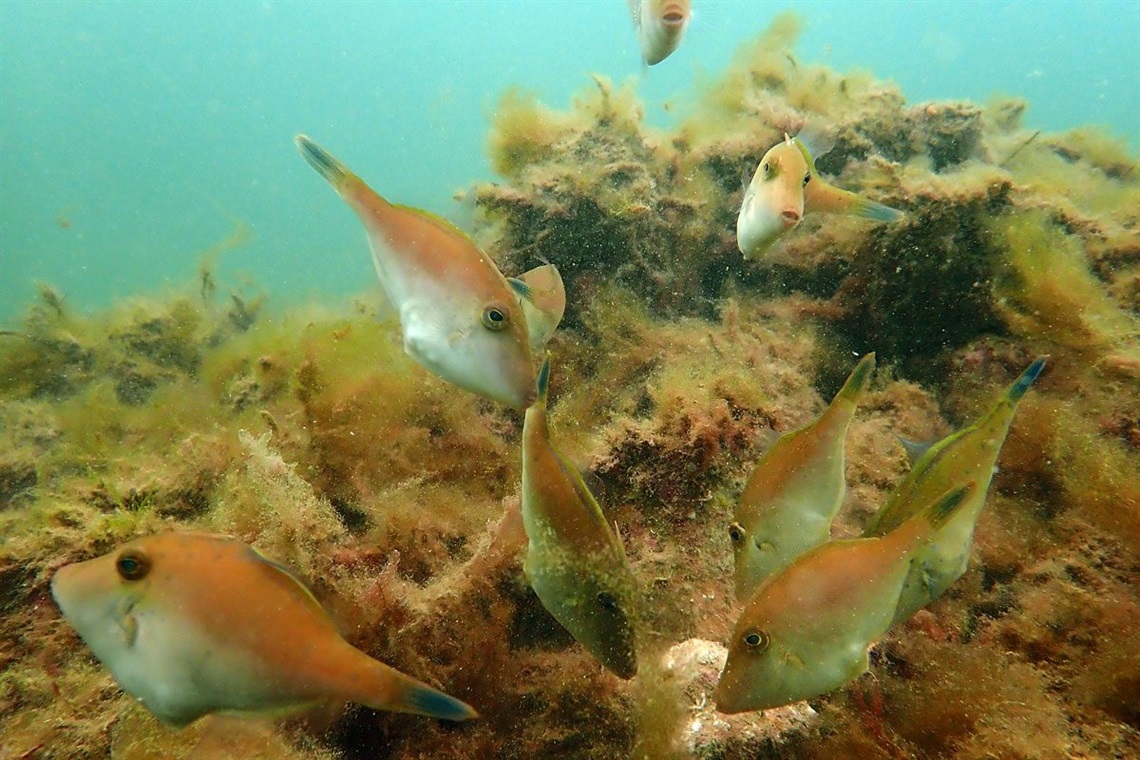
(424, 700)
(858, 379)
(869, 209)
(1021, 385)
(543, 380)
(325, 164)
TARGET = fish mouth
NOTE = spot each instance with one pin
(673, 19)
(724, 703)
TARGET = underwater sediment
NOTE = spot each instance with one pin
(306, 432)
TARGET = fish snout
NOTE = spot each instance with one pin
(725, 698)
(790, 218)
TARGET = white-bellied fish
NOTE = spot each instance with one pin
(660, 25)
(967, 455)
(461, 319)
(574, 560)
(807, 629)
(795, 490)
(544, 301)
(786, 187)
(194, 623)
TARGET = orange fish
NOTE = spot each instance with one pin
(970, 454)
(461, 319)
(192, 624)
(574, 560)
(786, 187)
(806, 630)
(796, 489)
(660, 25)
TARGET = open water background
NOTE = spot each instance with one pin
(133, 134)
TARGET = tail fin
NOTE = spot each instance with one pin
(858, 379)
(1021, 385)
(326, 165)
(543, 380)
(367, 681)
(869, 209)
(424, 700)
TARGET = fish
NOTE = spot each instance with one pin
(970, 454)
(660, 25)
(806, 630)
(575, 562)
(461, 319)
(193, 624)
(795, 490)
(544, 302)
(786, 186)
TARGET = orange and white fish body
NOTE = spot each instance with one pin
(193, 624)
(660, 25)
(786, 187)
(795, 490)
(460, 318)
(969, 454)
(807, 629)
(574, 561)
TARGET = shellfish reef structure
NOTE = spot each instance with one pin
(311, 436)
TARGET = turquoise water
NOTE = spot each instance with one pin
(132, 135)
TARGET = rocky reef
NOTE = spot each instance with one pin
(310, 435)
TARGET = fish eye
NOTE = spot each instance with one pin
(736, 533)
(807, 179)
(607, 600)
(495, 318)
(756, 640)
(132, 565)
(765, 167)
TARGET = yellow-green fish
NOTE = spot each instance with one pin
(795, 490)
(574, 561)
(461, 319)
(660, 25)
(784, 188)
(967, 455)
(544, 304)
(193, 623)
(807, 629)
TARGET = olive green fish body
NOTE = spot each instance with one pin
(795, 490)
(574, 561)
(967, 455)
(806, 630)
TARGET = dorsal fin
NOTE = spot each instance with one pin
(438, 221)
(814, 143)
(914, 449)
(289, 578)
